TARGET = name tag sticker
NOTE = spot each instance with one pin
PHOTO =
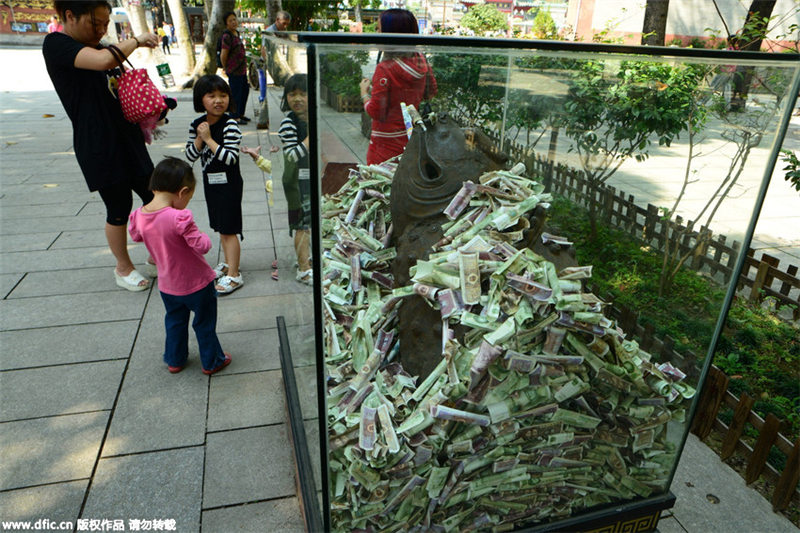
(305, 174)
(217, 178)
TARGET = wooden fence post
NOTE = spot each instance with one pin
(766, 437)
(758, 284)
(740, 415)
(714, 390)
(788, 480)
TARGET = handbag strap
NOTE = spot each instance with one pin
(119, 56)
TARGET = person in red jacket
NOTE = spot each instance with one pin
(399, 77)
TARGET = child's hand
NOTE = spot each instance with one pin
(255, 153)
(273, 149)
(204, 132)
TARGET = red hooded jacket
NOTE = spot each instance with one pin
(400, 79)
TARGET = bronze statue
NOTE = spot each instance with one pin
(439, 158)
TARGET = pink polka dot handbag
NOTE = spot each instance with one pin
(138, 95)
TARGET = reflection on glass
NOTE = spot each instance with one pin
(478, 375)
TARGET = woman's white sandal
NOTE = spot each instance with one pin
(221, 270)
(225, 285)
(132, 281)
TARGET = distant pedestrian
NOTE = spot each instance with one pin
(399, 77)
(293, 132)
(214, 138)
(110, 150)
(172, 38)
(55, 25)
(234, 62)
(185, 280)
(282, 20)
(163, 32)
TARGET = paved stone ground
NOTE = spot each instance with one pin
(92, 426)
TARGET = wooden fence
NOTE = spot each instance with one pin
(715, 394)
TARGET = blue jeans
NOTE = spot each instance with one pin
(239, 91)
(204, 305)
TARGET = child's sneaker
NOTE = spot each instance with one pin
(174, 369)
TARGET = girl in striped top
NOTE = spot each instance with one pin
(293, 132)
(214, 138)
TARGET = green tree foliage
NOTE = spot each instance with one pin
(612, 117)
(792, 168)
(544, 27)
(483, 18)
(341, 72)
(471, 86)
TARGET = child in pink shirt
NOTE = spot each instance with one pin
(185, 279)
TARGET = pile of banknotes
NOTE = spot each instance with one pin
(539, 407)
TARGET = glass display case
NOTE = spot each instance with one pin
(478, 366)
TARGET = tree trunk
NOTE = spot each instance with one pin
(207, 63)
(273, 6)
(279, 70)
(136, 18)
(208, 5)
(759, 10)
(138, 23)
(655, 22)
(181, 23)
(357, 10)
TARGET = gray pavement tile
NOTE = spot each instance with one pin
(158, 485)
(8, 282)
(80, 239)
(41, 225)
(241, 314)
(11, 214)
(284, 515)
(702, 469)
(259, 282)
(60, 502)
(27, 242)
(50, 260)
(246, 400)
(669, 525)
(28, 348)
(252, 351)
(46, 311)
(248, 465)
(49, 450)
(34, 197)
(45, 193)
(158, 410)
(64, 282)
(59, 390)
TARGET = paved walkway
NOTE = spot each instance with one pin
(92, 426)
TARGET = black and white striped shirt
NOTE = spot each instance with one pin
(229, 137)
(293, 132)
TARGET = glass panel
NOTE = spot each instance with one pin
(288, 58)
(501, 301)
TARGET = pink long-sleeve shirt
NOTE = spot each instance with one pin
(177, 246)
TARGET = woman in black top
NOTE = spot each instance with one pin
(110, 150)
